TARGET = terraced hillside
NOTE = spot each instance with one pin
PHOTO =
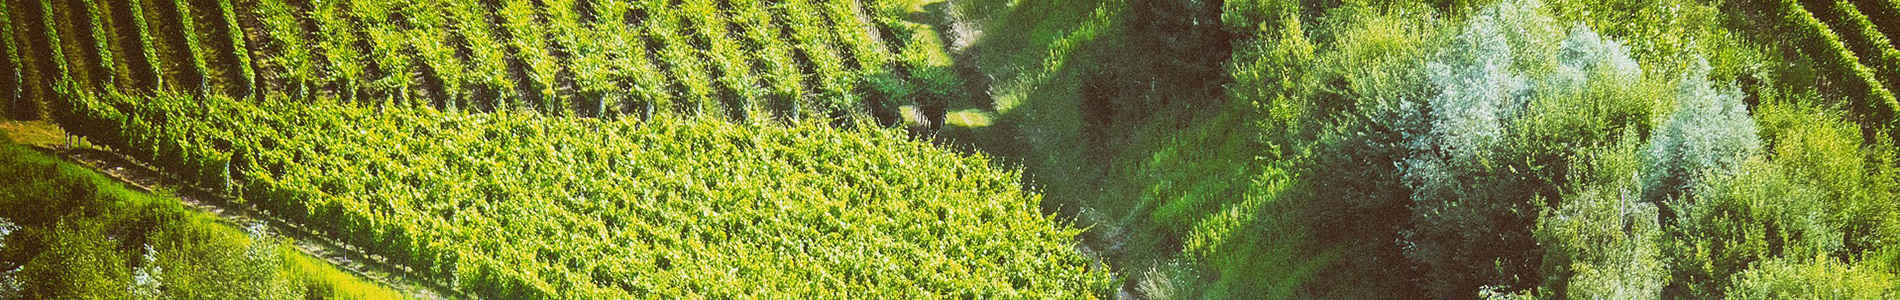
(741, 60)
(513, 206)
(562, 149)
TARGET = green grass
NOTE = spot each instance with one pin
(82, 235)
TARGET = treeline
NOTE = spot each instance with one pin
(741, 60)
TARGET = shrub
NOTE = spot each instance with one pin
(72, 260)
(1472, 210)
(1514, 99)
(1816, 278)
(1739, 219)
(1820, 149)
(1603, 242)
(1709, 133)
(198, 261)
(1821, 195)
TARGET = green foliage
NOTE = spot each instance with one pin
(562, 57)
(292, 63)
(1253, 249)
(82, 236)
(74, 261)
(1815, 278)
(617, 209)
(1349, 113)
(339, 44)
(1819, 149)
(1874, 105)
(1603, 242)
(12, 85)
(1742, 219)
(100, 59)
(836, 86)
(388, 50)
(1859, 34)
(192, 260)
(785, 82)
(1709, 134)
(1822, 194)
(1509, 113)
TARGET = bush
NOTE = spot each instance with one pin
(1603, 242)
(1821, 195)
(1330, 114)
(1491, 148)
(199, 262)
(72, 260)
(1709, 134)
(1822, 150)
(1816, 278)
(1739, 219)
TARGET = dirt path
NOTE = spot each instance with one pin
(373, 268)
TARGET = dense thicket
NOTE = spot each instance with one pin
(1504, 149)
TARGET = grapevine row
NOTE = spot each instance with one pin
(12, 84)
(742, 60)
(518, 206)
(45, 59)
(1885, 15)
(1875, 105)
(1857, 32)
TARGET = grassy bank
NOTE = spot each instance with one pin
(69, 233)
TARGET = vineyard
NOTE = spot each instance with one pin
(740, 60)
(562, 149)
(1851, 49)
(1127, 149)
(508, 206)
